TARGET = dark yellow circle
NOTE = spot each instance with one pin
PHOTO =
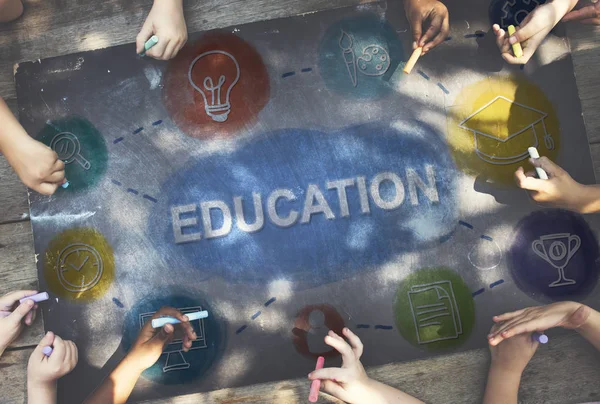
(79, 264)
(494, 121)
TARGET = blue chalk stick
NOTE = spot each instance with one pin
(65, 185)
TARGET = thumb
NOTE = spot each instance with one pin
(48, 340)
(331, 387)
(164, 336)
(547, 165)
(21, 311)
(528, 183)
(527, 30)
(145, 34)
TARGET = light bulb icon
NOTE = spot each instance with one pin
(220, 72)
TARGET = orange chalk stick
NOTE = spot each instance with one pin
(413, 60)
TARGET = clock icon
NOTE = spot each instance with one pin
(79, 267)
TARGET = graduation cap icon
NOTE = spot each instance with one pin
(504, 130)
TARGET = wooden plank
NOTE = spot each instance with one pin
(90, 24)
(19, 271)
(585, 49)
(13, 373)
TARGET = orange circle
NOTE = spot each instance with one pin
(231, 75)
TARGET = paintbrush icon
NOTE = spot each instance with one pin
(345, 45)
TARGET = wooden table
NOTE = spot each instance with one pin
(565, 371)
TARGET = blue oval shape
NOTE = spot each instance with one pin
(309, 206)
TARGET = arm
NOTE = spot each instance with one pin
(13, 315)
(559, 190)
(43, 371)
(35, 163)
(146, 350)
(570, 315)
(586, 15)
(167, 22)
(509, 360)
(430, 16)
(350, 383)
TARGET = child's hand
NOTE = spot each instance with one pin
(151, 341)
(585, 15)
(512, 355)
(349, 383)
(431, 15)
(532, 31)
(558, 190)
(45, 370)
(36, 164)
(13, 315)
(167, 22)
(569, 315)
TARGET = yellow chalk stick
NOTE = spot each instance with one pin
(413, 60)
(517, 50)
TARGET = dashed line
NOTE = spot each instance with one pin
(383, 327)
(258, 313)
(242, 328)
(157, 122)
(444, 89)
(117, 140)
(133, 191)
(363, 326)
(151, 199)
(116, 182)
(422, 73)
(478, 292)
(288, 74)
(488, 238)
(449, 38)
(138, 130)
(498, 282)
(293, 73)
(271, 300)
(306, 70)
(470, 226)
(118, 302)
(255, 315)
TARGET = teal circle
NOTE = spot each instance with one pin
(359, 35)
(78, 143)
(420, 301)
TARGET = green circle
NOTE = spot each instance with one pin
(434, 295)
(78, 140)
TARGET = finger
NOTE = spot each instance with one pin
(55, 177)
(581, 14)
(591, 21)
(21, 311)
(528, 183)
(9, 299)
(501, 39)
(158, 50)
(76, 354)
(333, 388)
(170, 51)
(59, 165)
(508, 316)
(46, 188)
(513, 60)
(441, 37)
(527, 30)
(355, 342)
(337, 374)
(548, 165)
(531, 174)
(59, 349)
(47, 340)
(342, 347)
(164, 336)
(416, 25)
(145, 34)
(508, 324)
(29, 317)
(433, 30)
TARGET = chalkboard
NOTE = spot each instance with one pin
(289, 178)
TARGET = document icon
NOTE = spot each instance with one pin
(435, 312)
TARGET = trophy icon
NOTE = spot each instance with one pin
(557, 250)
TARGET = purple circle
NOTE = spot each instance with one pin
(554, 256)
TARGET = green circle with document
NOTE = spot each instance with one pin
(434, 309)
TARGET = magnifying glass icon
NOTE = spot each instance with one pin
(67, 146)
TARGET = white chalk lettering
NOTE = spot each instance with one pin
(414, 181)
(258, 212)
(399, 190)
(225, 228)
(341, 186)
(179, 224)
(277, 220)
(310, 208)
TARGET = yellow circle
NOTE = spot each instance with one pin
(494, 121)
(79, 264)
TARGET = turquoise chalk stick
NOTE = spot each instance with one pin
(149, 44)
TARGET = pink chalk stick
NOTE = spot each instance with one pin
(316, 384)
(40, 297)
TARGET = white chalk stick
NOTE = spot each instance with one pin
(533, 153)
(197, 315)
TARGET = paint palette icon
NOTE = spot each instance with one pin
(68, 148)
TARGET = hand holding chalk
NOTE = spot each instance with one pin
(149, 44)
(516, 46)
(413, 60)
(316, 383)
(51, 359)
(533, 153)
(161, 321)
(540, 337)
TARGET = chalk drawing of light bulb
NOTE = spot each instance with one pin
(221, 72)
